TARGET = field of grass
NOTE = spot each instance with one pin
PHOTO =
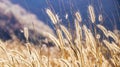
(83, 48)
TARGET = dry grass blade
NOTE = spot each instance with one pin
(53, 38)
(26, 34)
(112, 46)
(78, 31)
(90, 41)
(60, 37)
(66, 32)
(111, 34)
(61, 41)
(104, 30)
(66, 62)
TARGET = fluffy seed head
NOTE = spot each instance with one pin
(92, 13)
(100, 18)
(52, 16)
(78, 16)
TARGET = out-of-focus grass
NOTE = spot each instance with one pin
(85, 49)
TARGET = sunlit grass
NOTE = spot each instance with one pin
(84, 50)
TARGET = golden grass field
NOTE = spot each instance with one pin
(85, 49)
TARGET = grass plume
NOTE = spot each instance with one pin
(91, 13)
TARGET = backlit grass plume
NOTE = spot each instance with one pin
(91, 13)
(78, 16)
(52, 16)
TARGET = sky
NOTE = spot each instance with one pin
(109, 8)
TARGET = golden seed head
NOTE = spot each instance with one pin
(100, 18)
(78, 16)
(92, 13)
(52, 16)
(98, 36)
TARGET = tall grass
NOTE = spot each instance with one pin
(84, 50)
